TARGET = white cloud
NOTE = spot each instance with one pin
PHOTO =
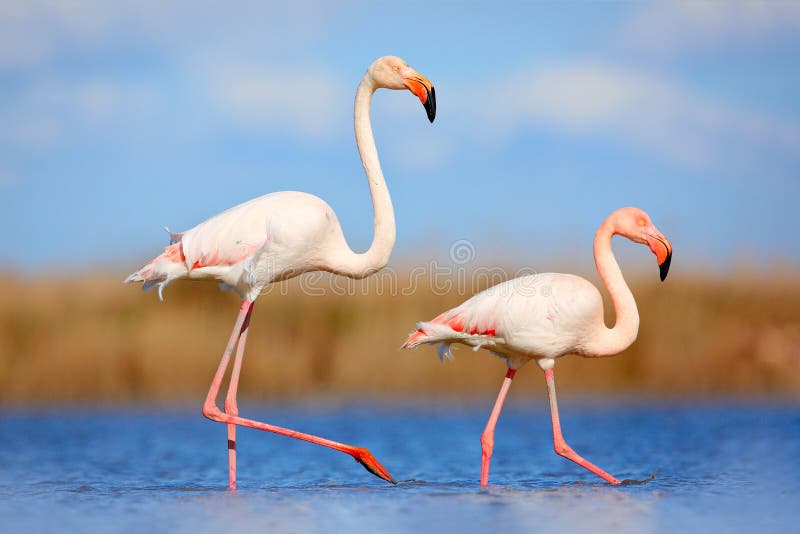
(304, 103)
(36, 32)
(52, 111)
(259, 91)
(639, 109)
(7, 178)
(678, 26)
(417, 149)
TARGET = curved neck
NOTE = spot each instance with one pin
(609, 341)
(375, 258)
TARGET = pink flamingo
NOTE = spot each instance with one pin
(279, 236)
(545, 316)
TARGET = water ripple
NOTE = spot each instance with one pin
(718, 468)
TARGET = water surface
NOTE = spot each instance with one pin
(732, 466)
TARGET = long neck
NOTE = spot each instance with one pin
(609, 341)
(349, 263)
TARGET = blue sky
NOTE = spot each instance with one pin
(118, 118)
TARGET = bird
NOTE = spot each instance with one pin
(279, 236)
(542, 317)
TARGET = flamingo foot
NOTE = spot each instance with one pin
(360, 454)
(231, 415)
(636, 482)
(365, 458)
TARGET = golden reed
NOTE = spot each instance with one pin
(81, 339)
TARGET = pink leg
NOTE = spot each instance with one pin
(211, 411)
(561, 447)
(231, 407)
(487, 438)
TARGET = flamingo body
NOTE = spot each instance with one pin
(542, 317)
(281, 235)
(249, 246)
(536, 317)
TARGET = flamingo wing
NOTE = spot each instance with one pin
(540, 315)
(226, 239)
(474, 323)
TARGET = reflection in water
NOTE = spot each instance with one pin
(732, 467)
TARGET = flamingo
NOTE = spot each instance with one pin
(282, 235)
(545, 316)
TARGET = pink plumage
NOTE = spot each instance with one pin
(280, 236)
(251, 245)
(543, 317)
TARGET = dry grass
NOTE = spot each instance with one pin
(95, 339)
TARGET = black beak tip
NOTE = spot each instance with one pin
(664, 267)
(430, 104)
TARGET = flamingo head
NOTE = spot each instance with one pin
(636, 225)
(392, 72)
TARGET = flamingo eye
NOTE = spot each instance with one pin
(641, 222)
(395, 68)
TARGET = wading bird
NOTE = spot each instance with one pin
(282, 235)
(545, 316)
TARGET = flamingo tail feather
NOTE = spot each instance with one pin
(446, 330)
(161, 271)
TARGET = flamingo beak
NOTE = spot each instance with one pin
(663, 268)
(423, 89)
(662, 248)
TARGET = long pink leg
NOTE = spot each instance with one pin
(561, 447)
(211, 411)
(231, 408)
(487, 438)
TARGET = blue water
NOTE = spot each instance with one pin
(732, 466)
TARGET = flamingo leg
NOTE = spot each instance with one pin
(211, 411)
(561, 447)
(487, 438)
(231, 408)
